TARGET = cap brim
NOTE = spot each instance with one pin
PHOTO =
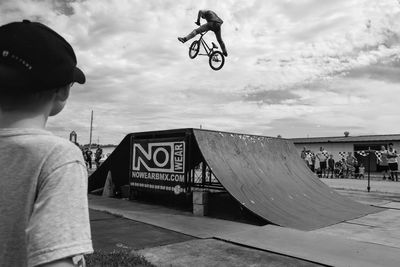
(79, 76)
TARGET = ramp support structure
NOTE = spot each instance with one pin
(200, 203)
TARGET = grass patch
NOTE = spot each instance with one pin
(116, 259)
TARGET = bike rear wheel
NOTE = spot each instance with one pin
(216, 60)
(194, 49)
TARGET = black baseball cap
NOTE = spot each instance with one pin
(33, 58)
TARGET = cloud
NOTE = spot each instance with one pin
(304, 63)
(261, 96)
(389, 72)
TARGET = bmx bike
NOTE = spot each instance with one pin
(216, 59)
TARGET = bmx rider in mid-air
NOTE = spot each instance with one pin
(213, 23)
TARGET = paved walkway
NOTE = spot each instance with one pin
(361, 185)
(379, 228)
(359, 242)
(175, 220)
(317, 247)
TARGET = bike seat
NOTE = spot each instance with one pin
(214, 45)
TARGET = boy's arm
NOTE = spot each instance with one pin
(77, 261)
(59, 225)
(67, 262)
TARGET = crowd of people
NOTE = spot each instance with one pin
(88, 156)
(325, 166)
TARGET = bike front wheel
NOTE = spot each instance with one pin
(194, 49)
(216, 60)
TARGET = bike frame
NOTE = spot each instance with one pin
(205, 45)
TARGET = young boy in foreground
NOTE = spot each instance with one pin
(43, 178)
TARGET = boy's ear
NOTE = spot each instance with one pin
(60, 98)
(62, 93)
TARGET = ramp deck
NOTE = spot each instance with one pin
(267, 176)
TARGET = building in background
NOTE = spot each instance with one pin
(73, 137)
(340, 145)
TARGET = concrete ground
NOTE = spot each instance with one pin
(373, 240)
(380, 228)
(361, 185)
(167, 218)
(212, 252)
(163, 247)
(331, 250)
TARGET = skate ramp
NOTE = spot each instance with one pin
(267, 176)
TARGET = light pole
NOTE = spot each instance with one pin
(369, 168)
(91, 130)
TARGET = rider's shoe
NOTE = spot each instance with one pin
(225, 53)
(182, 39)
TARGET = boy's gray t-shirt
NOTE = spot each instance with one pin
(43, 198)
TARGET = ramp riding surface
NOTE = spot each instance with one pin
(267, 176)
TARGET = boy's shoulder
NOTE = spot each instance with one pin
(61, 149)
(40, 142)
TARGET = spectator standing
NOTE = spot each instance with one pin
(356, 168)
(392, 162)
(383, 163)
(331, 166)
(322, 156)
(317, 169)
(88, 154)
(343, 168)
(313, 158)
(350, 164)
(98, 154)
(309, 160)
(361, 171)
(303, 154)
(44, 206)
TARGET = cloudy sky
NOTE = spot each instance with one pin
(295, 67)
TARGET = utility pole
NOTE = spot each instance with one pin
(91, 130)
